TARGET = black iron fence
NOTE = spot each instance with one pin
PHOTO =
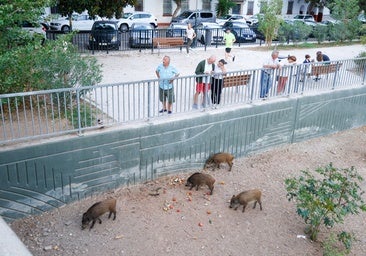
(143, 39)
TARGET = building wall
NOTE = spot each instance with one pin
(47, 175)
(157, 9)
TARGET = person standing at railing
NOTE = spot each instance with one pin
(285, 72)
(190, 36)
(218, 82)
(307, 67)
(229, 39)
(321, 57)
(166, 73)
(204, 67)
(269, 66)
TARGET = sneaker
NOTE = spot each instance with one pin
(162, 110)
(233, 58)
(195, 106)
(169, 112)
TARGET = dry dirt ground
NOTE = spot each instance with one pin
(182, 222)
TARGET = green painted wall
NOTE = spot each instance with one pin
(50, 174)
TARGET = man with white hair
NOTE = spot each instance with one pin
(269, 66)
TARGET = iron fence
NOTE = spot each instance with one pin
(140, 40)
(42, 114)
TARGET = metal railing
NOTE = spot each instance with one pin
(139, 40)
(42, 114)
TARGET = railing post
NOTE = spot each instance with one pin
(335, 75)
(79, 109)
(252, 85)
(148, 100)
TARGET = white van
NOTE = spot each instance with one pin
(195, 17)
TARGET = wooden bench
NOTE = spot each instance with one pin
(236, 80)
(168, 42)
(325, 68)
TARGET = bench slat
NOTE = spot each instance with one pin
(325, 69)
(168, 41)
(236, 80)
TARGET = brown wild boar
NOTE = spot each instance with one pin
(245, 197)
(219, 158)
(98, 209)
(198, 179)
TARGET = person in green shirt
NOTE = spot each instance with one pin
(229, 39)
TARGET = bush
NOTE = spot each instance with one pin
(326, 198)
(320, 33)
(56, 64)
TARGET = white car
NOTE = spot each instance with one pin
(79, 22)
(304, 17)
(231, 17)
(125, 23)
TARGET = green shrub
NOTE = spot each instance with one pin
(326, 198)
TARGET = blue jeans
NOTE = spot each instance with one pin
(265, 84)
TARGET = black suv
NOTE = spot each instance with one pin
(104, 35)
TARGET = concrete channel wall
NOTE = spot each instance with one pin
(49, 174)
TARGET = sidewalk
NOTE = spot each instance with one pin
(135, 66)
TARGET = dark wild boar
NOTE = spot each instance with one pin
(198, 179)
(245, 197)
(219, 158)
(97, 210)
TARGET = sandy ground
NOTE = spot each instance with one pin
(179, 221)
(135, 66)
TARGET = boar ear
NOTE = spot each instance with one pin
(233, 196)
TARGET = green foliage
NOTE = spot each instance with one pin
(223, 7)
(103, 8)
(331, 248)
(326, 198)
(269, 22)
(296, 32)
(57, 64)
(321, 33)
(346, 12)
(12, 14)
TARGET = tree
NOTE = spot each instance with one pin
(12, 14)
(223, 7)
(270, 21)
(326, 198)
(347, 12)
(103, 8)
(177, 9)
(27, 65)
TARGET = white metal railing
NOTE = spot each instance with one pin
(41, 114)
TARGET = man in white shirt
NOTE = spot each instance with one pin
(266, 75)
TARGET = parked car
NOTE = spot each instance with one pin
(229, 17)
(141, 35)
(35, 28)
(104, 35)
(125, 23)
(304, 17)
(210, 33)
(79, 22)
(177, 30)
(253, 20)
(242, 31)
(195, 17)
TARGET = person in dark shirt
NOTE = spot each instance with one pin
(321, 57)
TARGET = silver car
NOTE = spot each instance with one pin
(141, 35)
(210, 33)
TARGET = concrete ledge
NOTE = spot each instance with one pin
(10, 244)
